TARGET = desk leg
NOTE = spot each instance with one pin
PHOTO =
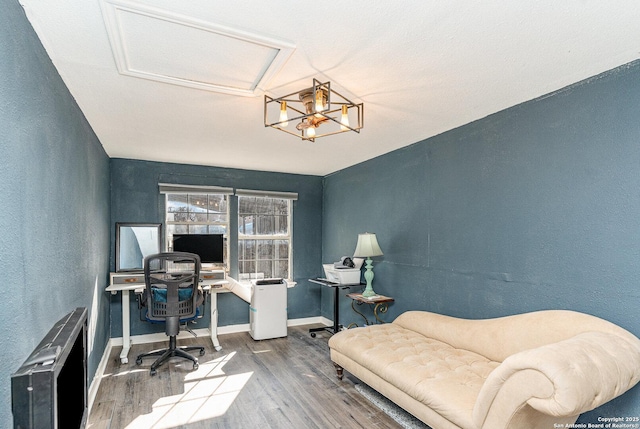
(126, 328)
(336, 316)
(213, 323)
(336, 311)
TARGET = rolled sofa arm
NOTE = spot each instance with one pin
(559, 380)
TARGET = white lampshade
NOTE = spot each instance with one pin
(367, 246)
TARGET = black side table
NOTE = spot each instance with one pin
(336, 305)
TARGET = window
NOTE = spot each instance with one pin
(264, 225)
(197, 210)
(264, 236)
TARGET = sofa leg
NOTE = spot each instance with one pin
(339, 371)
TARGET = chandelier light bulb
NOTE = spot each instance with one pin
(319, 100)
(344, 120)
(284, 118)
(311, 132)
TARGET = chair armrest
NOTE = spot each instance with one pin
(562, 379)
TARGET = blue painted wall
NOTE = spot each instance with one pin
(135, 198)
(535, 207)
(54, 222)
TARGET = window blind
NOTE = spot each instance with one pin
(267, 194)
(172, 188)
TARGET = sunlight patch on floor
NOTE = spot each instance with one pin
(208, 393)
(125, 372)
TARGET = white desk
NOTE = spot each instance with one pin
(212, 282)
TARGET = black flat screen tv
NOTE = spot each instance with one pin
(49, 390)
(210, 247)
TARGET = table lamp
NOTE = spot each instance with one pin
(366, 248)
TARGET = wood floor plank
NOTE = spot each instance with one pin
(279, 383)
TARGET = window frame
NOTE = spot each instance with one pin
(187, 192)
(232, 235)
(275, 237)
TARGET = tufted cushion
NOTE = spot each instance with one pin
(444, 378)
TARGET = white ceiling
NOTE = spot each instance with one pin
(183, 81)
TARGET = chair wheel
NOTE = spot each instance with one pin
(313, 335)
(201, 352)
(195, 366)
(139, 361)
(152, 372)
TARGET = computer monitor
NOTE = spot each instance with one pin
(210, 247)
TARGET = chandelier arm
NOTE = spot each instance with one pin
(344, 98)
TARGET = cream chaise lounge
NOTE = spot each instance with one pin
(533, 370)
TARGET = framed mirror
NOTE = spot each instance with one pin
(134, 242)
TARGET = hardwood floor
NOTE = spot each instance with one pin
(280, 383)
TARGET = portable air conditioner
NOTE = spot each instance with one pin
(268, 309)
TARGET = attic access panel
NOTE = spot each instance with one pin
(164, 46)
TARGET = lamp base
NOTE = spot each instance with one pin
(368, 293)
(368, 276)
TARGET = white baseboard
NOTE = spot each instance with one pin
(204, 332)
(310, 321)
(95, 383)
(160, 336)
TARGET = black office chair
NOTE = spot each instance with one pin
(171, 296)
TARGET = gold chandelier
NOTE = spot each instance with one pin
(317, 111)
